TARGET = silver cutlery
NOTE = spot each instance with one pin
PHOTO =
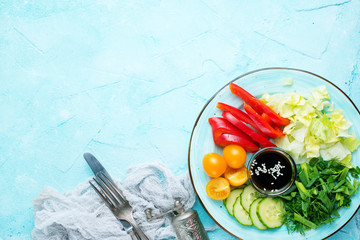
(114, 199)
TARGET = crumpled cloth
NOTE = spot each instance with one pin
(81, 214)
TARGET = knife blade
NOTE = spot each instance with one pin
(95, 165)
(97, 169)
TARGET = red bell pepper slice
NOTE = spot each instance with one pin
(258, 105)
(264, 126)
(235, 111)
(227, 139)
(239, 115)
(268, 119)
(221, 126)
(249, 131)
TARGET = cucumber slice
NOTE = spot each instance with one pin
(230, 201)
(254, 218)
(248, 196)
(240, 214)
(271, 212)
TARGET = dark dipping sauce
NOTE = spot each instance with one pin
(271, 171)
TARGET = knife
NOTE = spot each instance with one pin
(97, 169)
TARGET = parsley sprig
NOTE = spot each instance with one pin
(321, 188)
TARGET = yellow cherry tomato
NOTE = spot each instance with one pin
(234, 155)
(214, 164)
(218, 188)
(236, 177)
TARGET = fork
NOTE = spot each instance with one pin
(117, 203)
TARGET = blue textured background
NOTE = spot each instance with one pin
(127, 79)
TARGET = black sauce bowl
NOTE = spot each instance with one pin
(289, 186)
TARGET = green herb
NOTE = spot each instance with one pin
(322, 187)
(355, 171)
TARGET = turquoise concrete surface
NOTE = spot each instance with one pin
(126, 80)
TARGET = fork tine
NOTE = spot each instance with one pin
(113, 187)
(109, 192)
(105, 199)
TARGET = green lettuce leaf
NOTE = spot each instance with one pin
(316, 129)
(351, 142)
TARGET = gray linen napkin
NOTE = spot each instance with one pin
(80, 213)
